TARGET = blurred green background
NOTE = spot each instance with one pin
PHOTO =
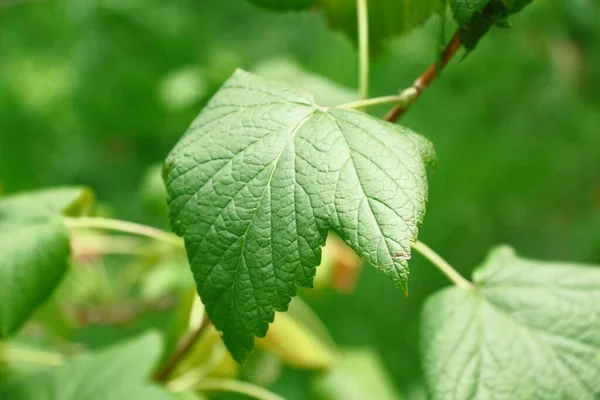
(96, 92)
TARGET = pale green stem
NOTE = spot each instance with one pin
(233, 386)
(363, 48)
(124, 226)
(30, 356)
(442, 265)
(401, 99)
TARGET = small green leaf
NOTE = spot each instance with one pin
(530, 330)
(260, 178)
(387, 18)
(117, 373)
(34, 249)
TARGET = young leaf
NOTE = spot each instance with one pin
(34, 248)
(531, 330)
(476, 17)
(387, 18)
(261, 176)
(117, 373)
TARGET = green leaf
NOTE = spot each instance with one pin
(261, 176)
(33, 258)
(387, 18)
(69, 201)
(358, 374)
(34, 249)
(120, 372)
(531, 330)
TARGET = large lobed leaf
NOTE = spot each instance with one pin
(117, 373)
(34, 248)
(531, 330)
(262, 175)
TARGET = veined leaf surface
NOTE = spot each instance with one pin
(531, 330)
(260, 178)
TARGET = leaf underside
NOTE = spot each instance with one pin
(531, 330)
(259, 179)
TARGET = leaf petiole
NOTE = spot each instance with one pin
(442, 265)
(123, 226)
(404, 98)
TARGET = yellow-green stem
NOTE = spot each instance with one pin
(363, 48)
(442, 265)
(123, 226)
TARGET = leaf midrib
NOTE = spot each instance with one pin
(295, 130)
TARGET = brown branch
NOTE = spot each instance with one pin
(426, 78)
(182, 349)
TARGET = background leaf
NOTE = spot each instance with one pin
(117, 373)
(387, 18)
(531, 330)
(33, 259)
(69, 201)
(261, 176)
(357, 375)
(326, 92)
(34, 248)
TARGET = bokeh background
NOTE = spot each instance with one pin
(96, 93)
